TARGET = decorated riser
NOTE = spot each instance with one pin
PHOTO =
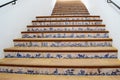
(62, 71)
(47, 18)
(62, 42)
(68, 22)
(61, 52)
(69, 34)
(66, 29)
(74, 20)
(66, 55)
(79, 67)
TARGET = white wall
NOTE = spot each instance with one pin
(110, 15)
(13, 19)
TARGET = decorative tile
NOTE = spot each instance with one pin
(60, 55)
(73, 18)
(65, 35)
(61, 71)
(67, 23)
(64, 44)
(67, 29)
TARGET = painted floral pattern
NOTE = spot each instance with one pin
(61, 71)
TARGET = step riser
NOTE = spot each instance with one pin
(71, 14)
(55, 9)
(67, 23)
(65, 35)
(68, 18)
(65, 26)
(67, 9)
(72, 18)
(66, 55)
(64, 44)
(77, 13)
(66, 29)
(59, 12)
(61, 71)
(70, 11)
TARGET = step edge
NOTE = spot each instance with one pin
(64, 39)
(106, 31)
(102, 25)
(65, 20)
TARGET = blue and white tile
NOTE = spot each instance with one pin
(72, 18)
(64, 44)
(67, 23)
(67, 29)
(62, 71)
(61, 55)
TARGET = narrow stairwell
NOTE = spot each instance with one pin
(70, 44)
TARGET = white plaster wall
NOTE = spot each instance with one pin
(110, 15)
(13, 19)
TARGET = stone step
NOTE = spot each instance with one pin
(87, 16)
(69, 6)
(65, 34)
(63, 42)
(80, 67)
(61, 49)
(75, 12)
(67, 22)
(102, 25)
(63, 28)
(61, 52)
(71, 14)
(68, 9)
(68, 18)
(72, 10)
(7, 76)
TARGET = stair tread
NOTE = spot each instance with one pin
(102, 25)
(65, 20)
(62, 49)
(7, 76)
(63, 39)
(67, 16)
(65, 32)
(76, 63)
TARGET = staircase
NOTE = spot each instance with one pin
(69, 45)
